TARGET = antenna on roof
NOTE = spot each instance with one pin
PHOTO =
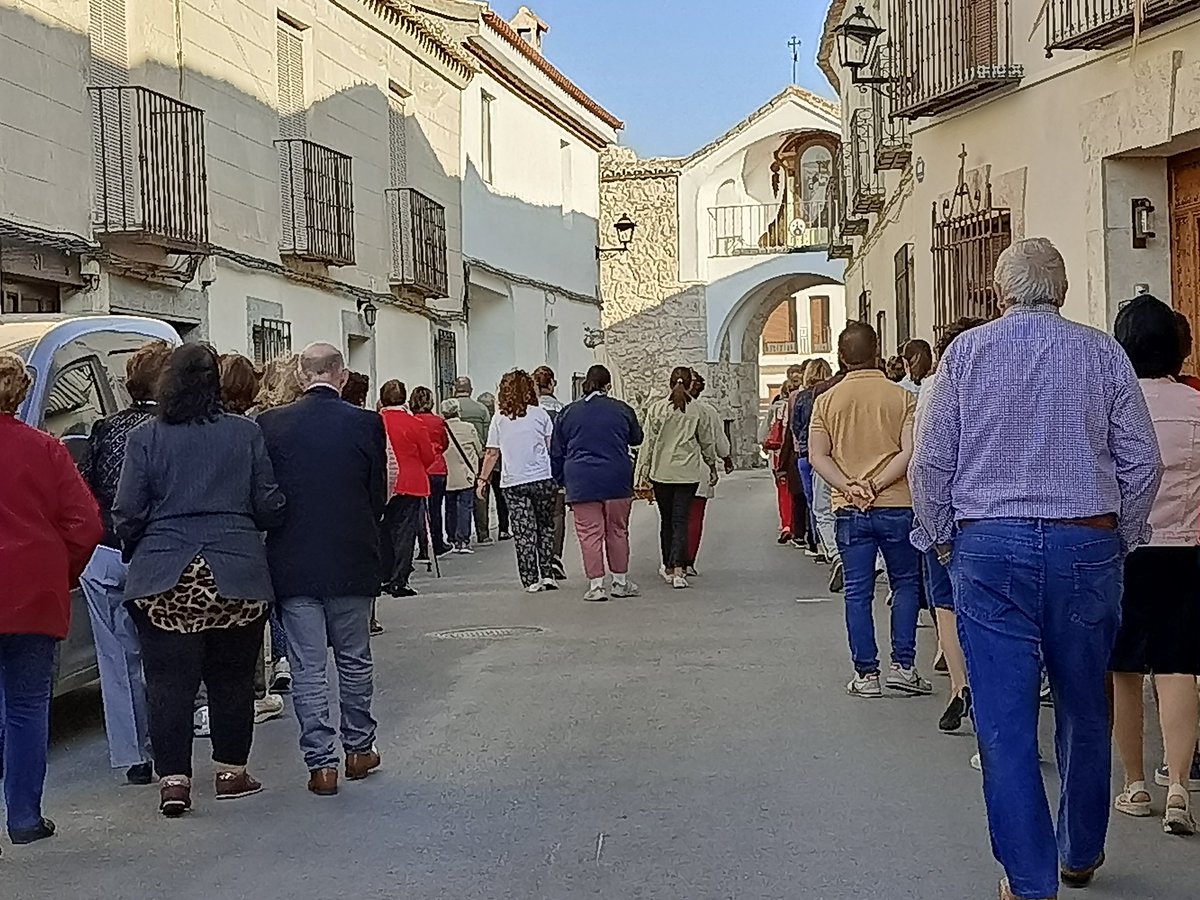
(795, 44)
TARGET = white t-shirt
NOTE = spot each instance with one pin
(524, 445)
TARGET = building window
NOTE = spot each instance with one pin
(289, 48)
(22, 297)
(881, 330)
(552, 346)
(445, 358)
(577, 381)
(271, 339)
(486, 170)
(568, 176)
(818, 321)
(904, 294)
(779, 333)
(864, 307)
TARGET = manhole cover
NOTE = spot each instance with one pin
(485, 634)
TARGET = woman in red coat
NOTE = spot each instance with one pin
(49, 526)
(410, 454)
(421, 404)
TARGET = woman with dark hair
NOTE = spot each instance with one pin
(49, 529)
(1160, 607)
(679, 452)
(918, 363)
(519, 439)
(196, 493)
(357, 389)
(421, 405)
(589, 456)
(410, 455)
(818, 370)
(239, 383)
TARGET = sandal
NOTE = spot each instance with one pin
(1134, 801)
(1177, 819)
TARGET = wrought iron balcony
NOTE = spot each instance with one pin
(317, 198)
(822, 341)
(757, 228)
(893, 146)
(418, 243)
(150, 180)
(843, 223)
(951, 52)
(1093, 24)
(867, 194)
(780, 348)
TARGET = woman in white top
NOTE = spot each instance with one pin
(1160, 606)
(519, 437)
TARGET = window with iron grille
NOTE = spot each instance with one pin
(951, 52)
(969, 234)
(317, 188)
(864, 307)
(903, 262)
(577, 381)
(445, 356)
(272, 338)
(419, 241)
(867, 193)
(150, 180)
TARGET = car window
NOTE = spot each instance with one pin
(74, 402)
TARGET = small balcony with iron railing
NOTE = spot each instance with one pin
(317, 203)
(804, 342)
(150, 180)
(1095, 24)
(844, 225)
(951, 52)
(893, 145)
(419, 263)
(792, 225)
(867, 193)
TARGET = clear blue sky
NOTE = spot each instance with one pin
(680, 72)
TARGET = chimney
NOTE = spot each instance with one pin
(530, 27)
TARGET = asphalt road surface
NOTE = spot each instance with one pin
(692, 745)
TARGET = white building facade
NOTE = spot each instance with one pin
(531, 159)
(726, 236)
(981, 134)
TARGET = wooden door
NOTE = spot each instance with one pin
(1185, 240)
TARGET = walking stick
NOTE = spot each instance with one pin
(433, 557)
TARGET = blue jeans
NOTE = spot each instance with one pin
(939, 589)
(860, 538)
(1026, 591)
(313, 625)
(806, 481)
(26, 682)
(460, 508)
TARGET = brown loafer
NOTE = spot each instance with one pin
(1081, 878)
(174, 796)
(234, 785)
(360, 765)
(1007, 894)
(323, 782)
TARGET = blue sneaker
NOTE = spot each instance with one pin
(1162, 779)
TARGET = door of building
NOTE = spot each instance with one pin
(1185, 238)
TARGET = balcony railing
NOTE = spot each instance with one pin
(757, 228)
(866, 188)
(893, 146)
(807, 341)
(822, 341)
(418, 243)
(843, 223)
(1093, 24)
(150, 174)
(780, 348)
(317, 194)
(951, 52)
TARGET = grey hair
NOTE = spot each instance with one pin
(1031, 273)
(451, 409)
(320, 362)
(463, 386)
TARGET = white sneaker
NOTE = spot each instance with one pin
(200, 726)
(666, 576)
(865, 686)
(625, 589)
(465, 550)
(536, 588)
(596, 595)
(550, 584)
(679, 582)
(907, 681)
(268, 708)
(281, 683)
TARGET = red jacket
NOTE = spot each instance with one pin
(49, 526)
(409, 441)
(438, 436)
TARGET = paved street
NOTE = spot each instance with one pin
(693, 745)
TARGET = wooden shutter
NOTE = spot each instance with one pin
(818, 321)
(983, 34)
(1185, 240)
(113, 132)
(290, 61)
(398, 210)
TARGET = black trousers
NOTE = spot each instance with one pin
(674, 502)
(501, 502)
(175, 664)
(437, 502)
(403, 519)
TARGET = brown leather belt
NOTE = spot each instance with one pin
(1107, 522)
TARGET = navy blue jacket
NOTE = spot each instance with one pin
(330, 459)
(589, 452)
(801, 419)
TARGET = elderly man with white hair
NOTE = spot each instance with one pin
(330, 458)
(1034, 473)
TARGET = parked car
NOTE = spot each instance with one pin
(79, 377)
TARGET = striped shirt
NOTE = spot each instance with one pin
(1034, 417)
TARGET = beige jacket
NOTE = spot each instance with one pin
(460, 473)
(708, 490)
(680, 445)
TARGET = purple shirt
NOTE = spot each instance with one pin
(1034, 416)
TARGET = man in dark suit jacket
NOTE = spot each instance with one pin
(330, 460)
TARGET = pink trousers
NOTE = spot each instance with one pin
(603, 529)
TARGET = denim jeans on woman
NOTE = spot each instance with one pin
(1025, 591)
(26, 682)
(861, 537)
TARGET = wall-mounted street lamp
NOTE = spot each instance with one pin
(625, 228)
(369, 311)
(1142, 213)
(858, 47)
